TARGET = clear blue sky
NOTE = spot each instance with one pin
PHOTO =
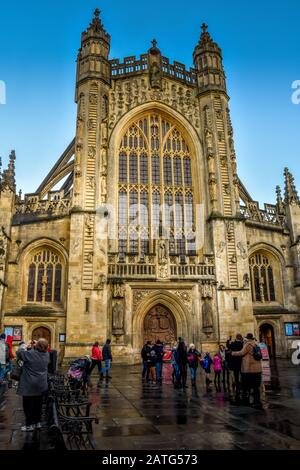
(261, 49)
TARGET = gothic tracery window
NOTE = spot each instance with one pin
(155, 177)
(44, 276)
(262, 278)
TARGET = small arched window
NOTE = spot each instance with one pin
(44, 276)
(262, 278)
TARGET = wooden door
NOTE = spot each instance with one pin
(160, 324)
(42, 332)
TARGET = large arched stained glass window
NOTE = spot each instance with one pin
(262, 278)
(44, 276)
(155, 188)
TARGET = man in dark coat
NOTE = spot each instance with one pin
(159, 352)
(107, 358)
(145, 353)
(235, 362)
(182, 362)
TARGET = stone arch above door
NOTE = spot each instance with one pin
(182, 316)
(160, 324)
(42, 332)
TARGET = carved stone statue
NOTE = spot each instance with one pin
(246, 281)
(162, 252)
(118, 316)
(155, 76)
(102, 280)
(207, 314)
(206, 291)
(209, 139)
(118, 291)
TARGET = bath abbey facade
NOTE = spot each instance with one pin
(143, 230)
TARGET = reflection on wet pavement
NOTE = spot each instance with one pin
(134, 415)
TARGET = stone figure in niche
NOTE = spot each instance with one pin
(103, 161)
(207, 291)
(102, 280)
(155, 76)
(207, 314)
(209, 139)
(118, 316)
(118, 291)
(162, 251)
(246, 281)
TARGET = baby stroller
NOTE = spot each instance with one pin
(78, 373)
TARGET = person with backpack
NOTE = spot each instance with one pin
(145, 353)
(193, 361)
(158, 348)
(251, 370)
(206, 365)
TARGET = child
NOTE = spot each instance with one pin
(217, 361)
(152, 366)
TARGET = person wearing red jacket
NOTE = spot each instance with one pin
(96, 359)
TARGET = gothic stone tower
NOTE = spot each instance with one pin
(87, 297)
(227, 227)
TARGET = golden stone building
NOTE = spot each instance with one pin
(151, 233)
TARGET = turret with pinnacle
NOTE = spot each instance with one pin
(208, 64)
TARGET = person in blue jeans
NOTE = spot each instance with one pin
(159, 351)
(193, 362)
(107, 358)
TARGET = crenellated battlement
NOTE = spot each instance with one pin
(132, 66)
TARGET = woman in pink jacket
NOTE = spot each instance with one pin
(217, 363)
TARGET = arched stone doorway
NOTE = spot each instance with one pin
(267, 336)
(42, 332)
(160, 323)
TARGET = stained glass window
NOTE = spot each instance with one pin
(154, 170)
(44, 276)
(262, 278)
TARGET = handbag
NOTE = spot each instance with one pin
(16, 372)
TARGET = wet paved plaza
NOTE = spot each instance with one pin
(135, 416)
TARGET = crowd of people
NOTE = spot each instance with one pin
(237, 365)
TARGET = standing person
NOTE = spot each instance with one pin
(145, 353)
(4, 356)
(174, 362)
(193, 361)
(159, 352)
(33, 382)
(217, 362)
(224, 353)
(251, 370)
(107, 358)
(152, 363)
(182, 362)
(235, 363)
(206, 365)
(9, 368)
(96, 358)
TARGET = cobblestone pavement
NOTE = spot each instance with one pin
(135, 416)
